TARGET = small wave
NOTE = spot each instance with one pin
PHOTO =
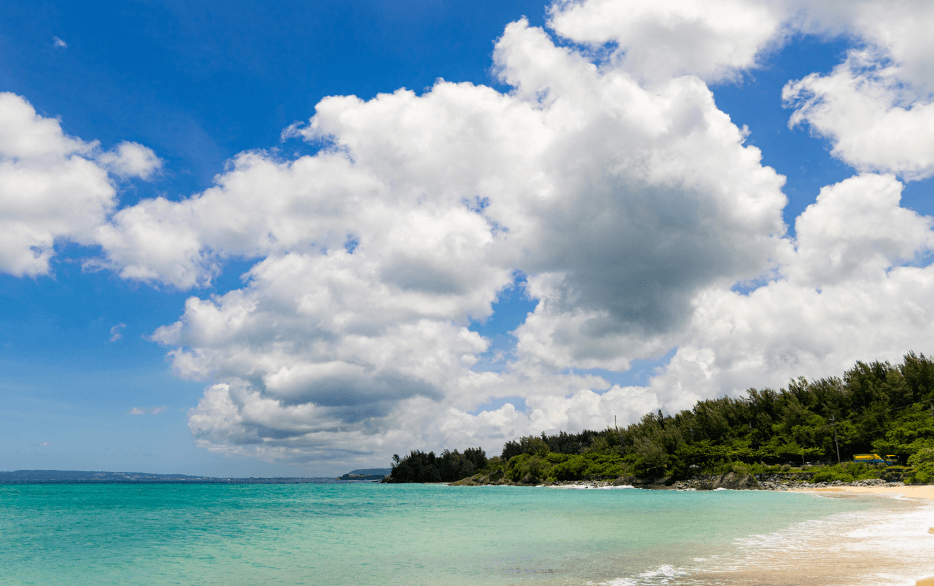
(660, 575)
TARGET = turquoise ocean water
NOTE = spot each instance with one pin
(365, 533)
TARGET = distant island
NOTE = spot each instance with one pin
(93, 477)
(367, 474)
(98, 477)
(848, 429)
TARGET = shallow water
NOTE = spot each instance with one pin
(335, 534)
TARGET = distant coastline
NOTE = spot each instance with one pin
(99, 477)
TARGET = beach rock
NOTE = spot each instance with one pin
(623, 481)
(734, 481)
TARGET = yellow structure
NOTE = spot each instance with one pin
(875, 459)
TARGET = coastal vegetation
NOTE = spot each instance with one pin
(448, 467)
(874, 407)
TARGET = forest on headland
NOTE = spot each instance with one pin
(874, 408)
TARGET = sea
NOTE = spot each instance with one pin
(331, 534)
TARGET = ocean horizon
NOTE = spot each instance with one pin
(330, 533)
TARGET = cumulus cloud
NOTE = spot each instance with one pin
(714, 40)
(58, 43)
(872, 121)
(875, 107)
(53, 187)
(130, 159)
(621, 201)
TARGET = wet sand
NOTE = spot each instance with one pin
(889, 544)
(913, 492)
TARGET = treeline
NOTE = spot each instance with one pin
(448, 467)
(874, 407)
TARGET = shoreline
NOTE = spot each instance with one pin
(916, 491)
(880, 547)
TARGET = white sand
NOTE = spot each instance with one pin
(891, 545)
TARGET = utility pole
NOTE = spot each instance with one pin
(833, 419)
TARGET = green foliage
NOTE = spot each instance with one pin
(651, 458)
(526, 445)
(528, 468)
(586, 466)
(923, 463)
(846, 472)
(449, 467)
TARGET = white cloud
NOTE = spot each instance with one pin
(864, 110)
(116, 332)
(58, 43)
(130, 159)
(621, 201)
(657, 40)
(875, 107)
(146, 410)
(52, 187)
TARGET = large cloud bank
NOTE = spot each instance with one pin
(606, 174)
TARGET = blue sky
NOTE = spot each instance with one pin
(87, 381)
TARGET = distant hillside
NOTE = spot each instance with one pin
(367, 474)
(91, 477)
(371, 471)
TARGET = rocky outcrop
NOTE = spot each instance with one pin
(734, 481)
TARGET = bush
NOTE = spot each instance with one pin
(848, 472)
(573, 469)
(652, 458)
(923, 462)
(528, 468)
(830, 475)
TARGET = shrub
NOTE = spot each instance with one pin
(572, 469)
(848, 472)
(923, 462)
(528, 468)
(652, 458)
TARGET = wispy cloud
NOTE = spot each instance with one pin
(46, 445)
(115, 332)
(146, 410)
(58, 43)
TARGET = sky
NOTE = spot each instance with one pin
(294, 239)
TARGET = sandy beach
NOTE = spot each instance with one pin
(914, 492)
(925, 492)
(890, 543)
